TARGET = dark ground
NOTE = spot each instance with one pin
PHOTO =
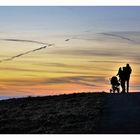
(121, 114)
(64, 114)
(84, 113)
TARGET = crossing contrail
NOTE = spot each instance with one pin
(22, 54)
(27, 52)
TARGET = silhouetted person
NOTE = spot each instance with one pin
(128, 71)
(121, 74)
(123, 79)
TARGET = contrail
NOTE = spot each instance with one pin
(23, 40)
(22, 54)
(119, 36)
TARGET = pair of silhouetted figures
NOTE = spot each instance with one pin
(124, 77)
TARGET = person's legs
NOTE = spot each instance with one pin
(123, 86)
(118, 90)
(113, 88)
(127, 85)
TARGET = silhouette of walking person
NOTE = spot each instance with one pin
(121, 75)
(123, 80)
(128, 72)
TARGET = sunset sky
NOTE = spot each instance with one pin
(90, 44)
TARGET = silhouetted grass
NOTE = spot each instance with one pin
(63, 114)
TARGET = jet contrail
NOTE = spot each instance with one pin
(22, 54)
(119, 36)
(23, 40)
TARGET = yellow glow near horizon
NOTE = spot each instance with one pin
(51, 73)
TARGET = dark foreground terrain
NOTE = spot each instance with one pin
(64, 114)
(83, 113)
(120, 114)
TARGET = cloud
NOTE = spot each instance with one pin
(99, 61)
(44, 71)
(91, 52)
(62, 65)
(21, 69)
(81, 80)
(69, 66)
(114, 62)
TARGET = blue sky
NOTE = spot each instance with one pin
(70, 18)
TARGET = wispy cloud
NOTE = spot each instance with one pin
(90, 52)
(81, 80)
(87, 36)
(114, 62)
(99, 61)
(36, 71)
(74, 66)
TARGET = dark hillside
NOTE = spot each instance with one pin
(63, 114)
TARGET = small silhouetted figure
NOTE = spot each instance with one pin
(121, 75)
(128, 72)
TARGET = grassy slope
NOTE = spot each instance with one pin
(64, 114)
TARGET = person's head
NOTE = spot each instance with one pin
(120, 69)
(127, 65)
(123, 68)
